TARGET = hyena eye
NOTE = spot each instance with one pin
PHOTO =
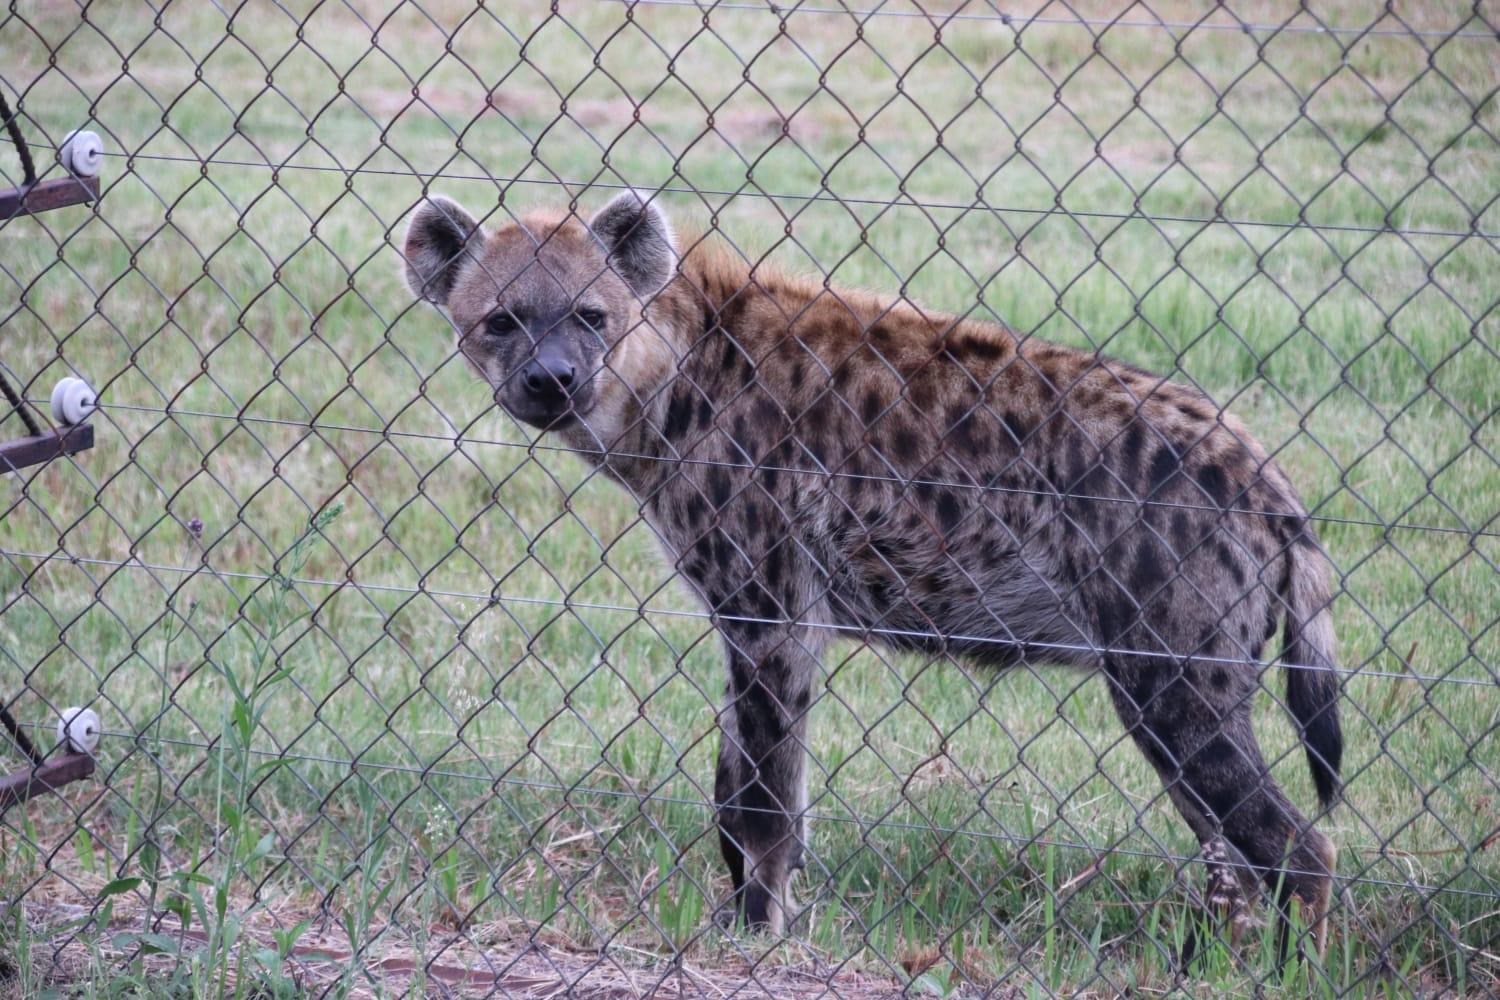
(593, 318)
(500, 324)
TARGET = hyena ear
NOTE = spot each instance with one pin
(639, 240)
(439, 233)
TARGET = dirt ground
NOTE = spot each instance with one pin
(527, 970)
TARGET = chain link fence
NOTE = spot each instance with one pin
(400, 696)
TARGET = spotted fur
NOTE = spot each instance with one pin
(821, 462)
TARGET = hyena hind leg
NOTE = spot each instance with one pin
(1197, 735)
(1231, 891)
(1230, 900)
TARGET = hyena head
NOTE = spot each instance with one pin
(544, 307)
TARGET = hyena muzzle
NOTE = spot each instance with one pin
(819, 462)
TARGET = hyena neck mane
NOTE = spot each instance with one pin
(719, 296)
(729, 346)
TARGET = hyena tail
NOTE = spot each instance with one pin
(1312, 681)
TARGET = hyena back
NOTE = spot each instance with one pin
(821, 462)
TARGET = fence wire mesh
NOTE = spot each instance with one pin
(400, 695)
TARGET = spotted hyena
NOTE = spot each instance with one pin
(820, 461)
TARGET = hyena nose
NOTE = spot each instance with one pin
(548, 376)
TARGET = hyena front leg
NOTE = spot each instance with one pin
(760, 789)
(728, 779)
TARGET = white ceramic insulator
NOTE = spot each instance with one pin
(72, 401)
(83, 153)
(79, 729)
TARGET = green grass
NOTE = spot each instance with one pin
(532, 749)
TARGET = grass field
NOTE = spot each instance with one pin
(471, 711)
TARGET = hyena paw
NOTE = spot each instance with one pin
(1225, 895)
(730, 911)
